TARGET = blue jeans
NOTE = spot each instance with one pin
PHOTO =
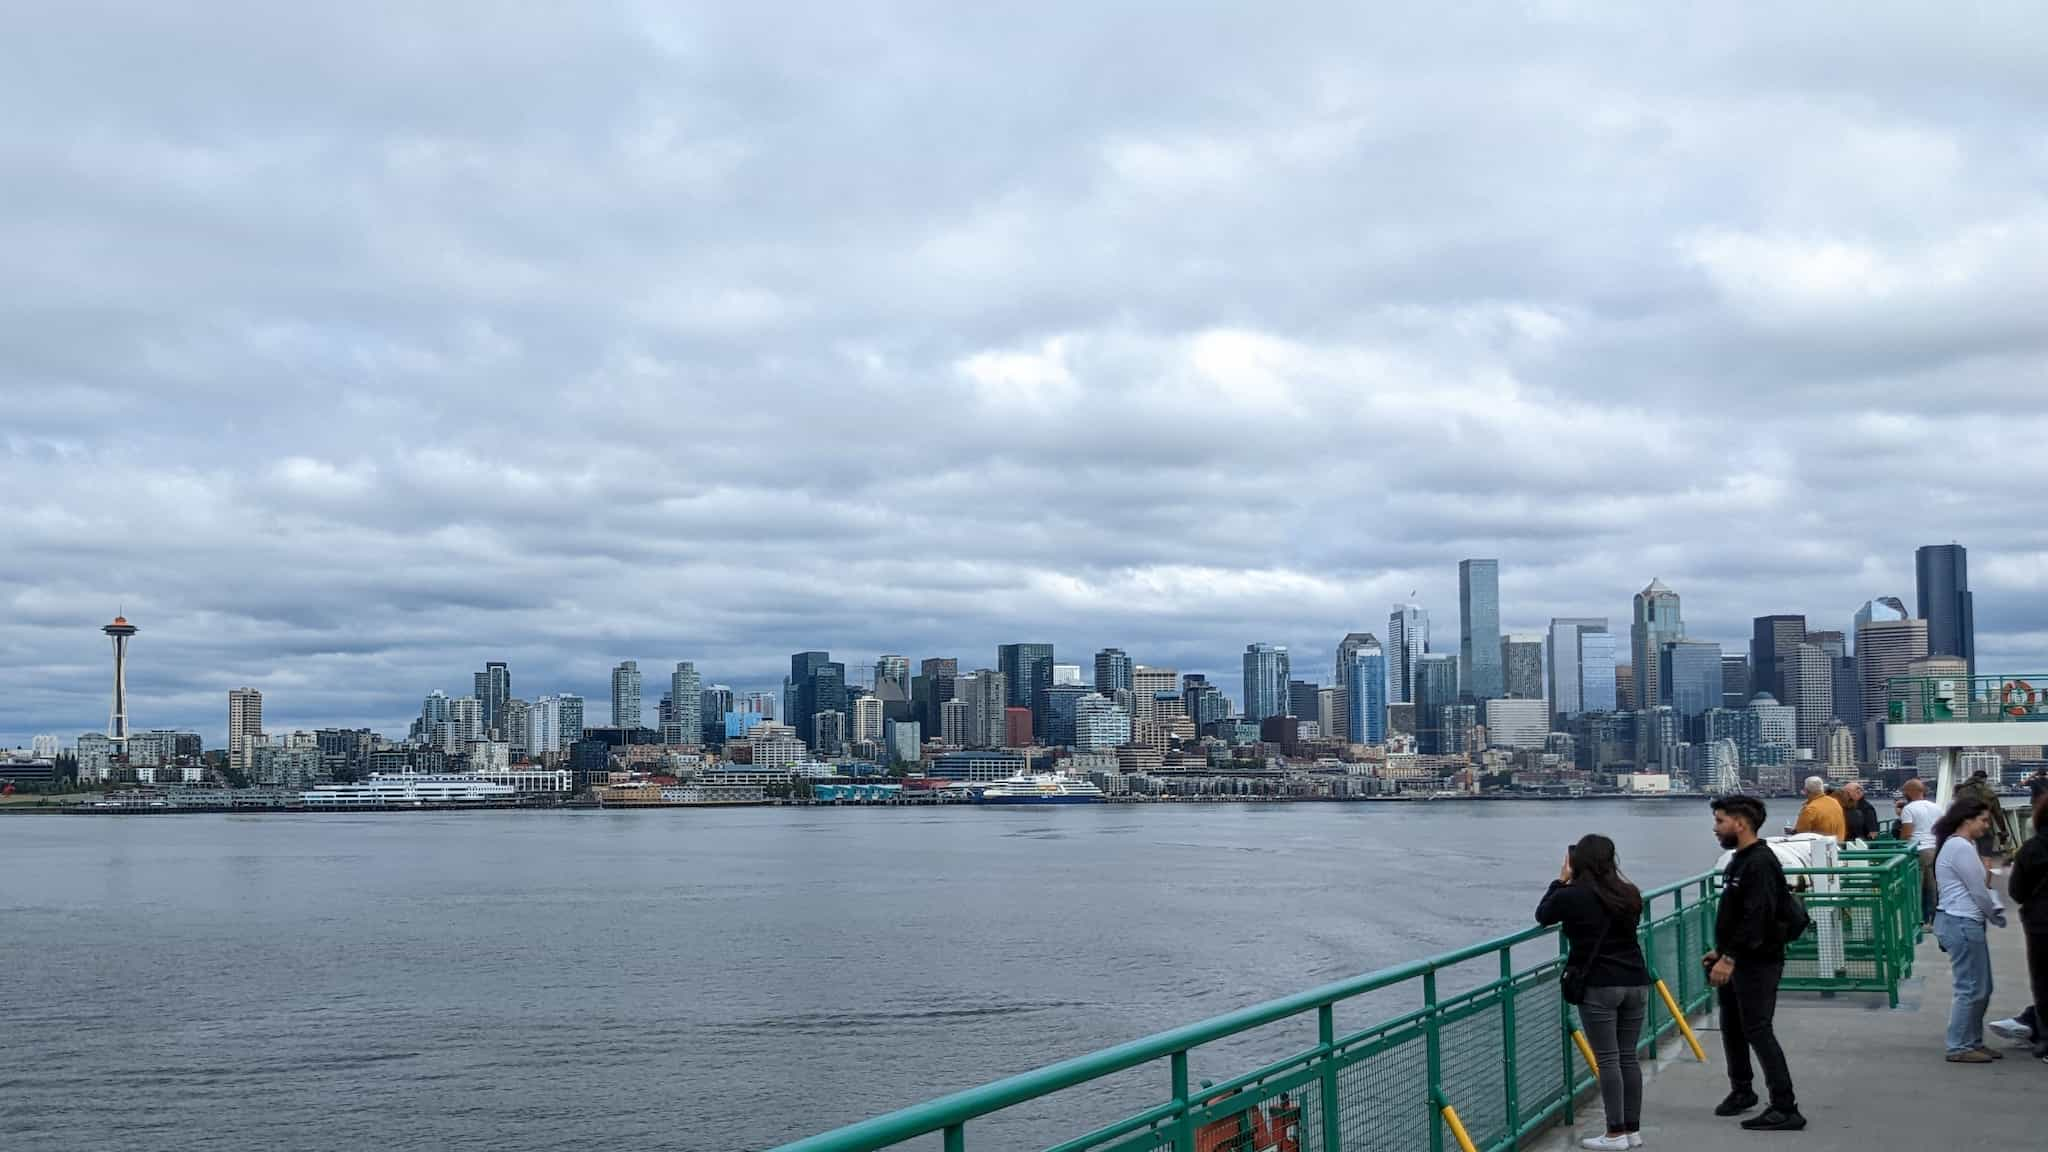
(1969, 958)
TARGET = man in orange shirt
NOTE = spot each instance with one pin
(1823, 813)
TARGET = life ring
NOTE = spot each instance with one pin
(2017, 698)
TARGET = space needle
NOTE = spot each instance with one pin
(117, 722)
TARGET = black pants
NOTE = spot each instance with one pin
(1749, 1002)
(2037, 975)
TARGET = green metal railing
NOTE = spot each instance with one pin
(1491, 1063)
(1971, 699)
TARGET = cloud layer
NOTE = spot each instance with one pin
(346, 351)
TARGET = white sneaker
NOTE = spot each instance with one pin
(2012, 1030)
(1635, 1139)
(1605, 1143)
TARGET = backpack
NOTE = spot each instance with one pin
(1793, 921)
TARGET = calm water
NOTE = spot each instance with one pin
(690, 979)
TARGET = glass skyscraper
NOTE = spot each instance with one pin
(626, 694)
(1265, 682)
(1691, 678)
(1436, 688)
(1658, 621)
(1596, 671)
(1112, 671)
(1367, 699)
(1027, 673)
(1407, 640)
(1943, 572)
(1565, 676)
(1479, 671)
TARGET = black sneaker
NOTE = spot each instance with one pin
(1738, 1102)
(1772, 1120)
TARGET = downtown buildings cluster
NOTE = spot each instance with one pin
(1584, 706)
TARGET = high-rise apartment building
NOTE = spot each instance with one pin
(544, 728)
(1809, 676)
(1112, 671)
(626, 694)
(245, 726)
(1027, 670)
(1265, 681)
(1943, 581)
(1658, 621)
(1480, 676)
(1884, 648)
(1517, 722)
(687, 696)
(1100, 724)
(867, 719)
(570, 706)
(1772, 639)
(493, 687)
(1521, 659)
(1407, 640)
(465, 722)
(956, 717)
(1366, 699)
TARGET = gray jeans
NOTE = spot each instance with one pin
(1613, 1018)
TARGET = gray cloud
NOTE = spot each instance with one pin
(346, 352)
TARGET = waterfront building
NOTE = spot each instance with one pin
(1100, 723)
(493, 687)
(1942, 579)
(1658, 621)
(686, 692)
(1366, 722)
(1517, 722)
(1884, 648)
(1521, 659)
(626, 694)
(983, 766)
(1016, 727)
(1027, 673)
(1480, 676)
(1265, 681)
(1407, 640)
(245, 723)
(1436, 688)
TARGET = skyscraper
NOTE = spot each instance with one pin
(1407, 640)
(1147, 684)
(1691, 679)
(1112, 671)
(626, 694)
(494, 687)
(1521, 660)
(1479, 671)
(1809, 676)
(1884, 649)
(892, 685)
(1734, 681)
(686, 691)
(937, 677)
(1943, 572)
(1566, 676)
(544, 728)
(1436, 688)
(245, 724)
(1366, 699)
(1772, 639)
(1880, 608)
(1658, 621)
(570, 708)
(1027, 670)
(867, 719)
(1624, 688)
(1265, 681)
(1100, 724)
(1848, 689)
(1301, 699)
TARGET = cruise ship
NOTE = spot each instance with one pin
(1042, 788)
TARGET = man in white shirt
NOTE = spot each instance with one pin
(1917, 815)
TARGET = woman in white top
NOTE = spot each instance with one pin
(1966, 907)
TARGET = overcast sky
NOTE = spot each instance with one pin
(345, 349)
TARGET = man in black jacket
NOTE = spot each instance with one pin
(1858, 813)
(2028, 886)
(1747, 962)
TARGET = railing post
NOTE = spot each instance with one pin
(956, 1138)
(1649, 943)
(1183, 1124)
(1333, 1114)
(1507, 1035)
(1678, 917)
(1433, 1042)
(1564, 1015)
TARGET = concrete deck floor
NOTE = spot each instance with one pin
(1868, 1076)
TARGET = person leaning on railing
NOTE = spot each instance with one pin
(1967, 908)
(1606, 976)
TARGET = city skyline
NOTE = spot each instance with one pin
(632, 332)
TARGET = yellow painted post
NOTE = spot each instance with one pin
(1458, 1129)
(1586, 1050)
(1684, 1025)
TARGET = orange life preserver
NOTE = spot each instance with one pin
(1287, 1126)
(1244, 1131)
(2017, 698)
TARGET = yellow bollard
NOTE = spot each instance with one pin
(1684, 1026)
(1586, 1050)
(1458, 1129)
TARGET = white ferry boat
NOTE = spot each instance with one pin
(1042, 788)
(409, 789)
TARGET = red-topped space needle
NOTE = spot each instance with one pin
(117, 722)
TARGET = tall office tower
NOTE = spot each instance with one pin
(956, 717)
(626, 694)
(1944, 586)
(1407, 640)
(1734, 681)
(1624, 688)
(1658, 621)
(1597, 680)
(1565, 676)
(494, 687)
(1691, 678)
(1479, 671)
(1100, 724)
(892, 686)
(1521, 660)
(1204, 702)
(1347, 649)
(1147, 683)
(1301, 699)
(1265, 681)
(1027, 670)
(1884, 648)
(1809, 677)
(1366, 722)
(1112, 671)
(1332, 704)
(714, 701)
(688, 695)
(1436, 688)
(936, 683)
(1883, 608)
(1848, 688)
(245, 724)
(1771, 641)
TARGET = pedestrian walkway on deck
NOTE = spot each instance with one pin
(1868, 1076)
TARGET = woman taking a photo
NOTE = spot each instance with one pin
(1605, 976)
(1965, 907)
